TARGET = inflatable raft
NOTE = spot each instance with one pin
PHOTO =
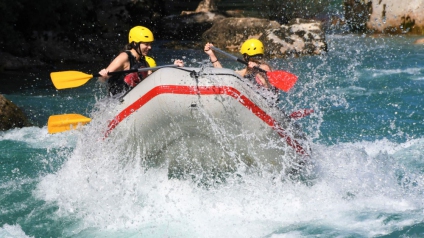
(206, 119)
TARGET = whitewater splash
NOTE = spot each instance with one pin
(361, 188)
(12, 231)
(365, 188)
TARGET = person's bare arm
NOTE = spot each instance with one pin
(212, 57)
(118, 64)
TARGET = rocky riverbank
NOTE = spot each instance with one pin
(11, 115)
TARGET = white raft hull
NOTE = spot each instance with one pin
(190, 120)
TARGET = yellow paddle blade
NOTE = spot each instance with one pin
(66, 122)
(69, 79)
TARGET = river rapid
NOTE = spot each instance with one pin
(366, 133)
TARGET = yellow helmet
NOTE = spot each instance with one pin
(150, 61)
(252, 47)
(140, 34)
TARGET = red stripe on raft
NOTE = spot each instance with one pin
(206, 90)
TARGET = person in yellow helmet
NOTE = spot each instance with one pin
(133, 56)
(253, 53)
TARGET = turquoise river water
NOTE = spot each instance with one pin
(367, 135)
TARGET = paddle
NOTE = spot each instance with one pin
(72, 79)
(280, 79)
(65, 122)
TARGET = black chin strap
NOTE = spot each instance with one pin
(136, 46)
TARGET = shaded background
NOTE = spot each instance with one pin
(40, 28)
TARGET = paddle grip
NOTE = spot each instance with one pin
(256, 67)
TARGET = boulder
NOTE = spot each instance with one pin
(386, 16)
(357, 14)
(187, 26)
(230, 33)
(11, 116)
(298, 37)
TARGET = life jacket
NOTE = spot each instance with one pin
(125, 82)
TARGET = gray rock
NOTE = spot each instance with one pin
(299, 37)
(385, 16)
(230, 33)
(11, 116)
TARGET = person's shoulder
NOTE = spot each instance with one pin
(120, 59)
(123, 55)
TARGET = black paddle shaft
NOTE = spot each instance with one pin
(136, 70)
(236, 58)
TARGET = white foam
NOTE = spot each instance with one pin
(36, 137)
(383, 72)
(12, 231)
(358, 188)
(355, 189)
